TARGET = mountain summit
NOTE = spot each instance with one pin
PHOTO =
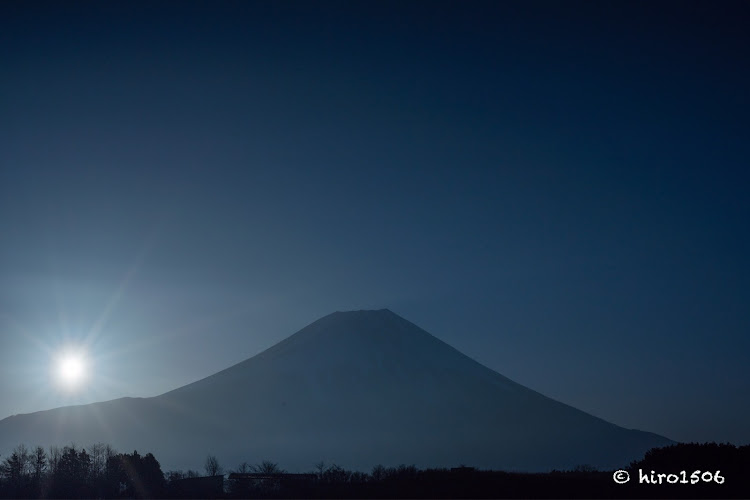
(356, 388)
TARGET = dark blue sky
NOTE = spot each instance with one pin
(557, 189)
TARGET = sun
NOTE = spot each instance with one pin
(71, 370)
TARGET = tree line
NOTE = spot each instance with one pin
(101, 472)
(72, 472)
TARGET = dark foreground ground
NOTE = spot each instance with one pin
(681, 471)
(488, 484)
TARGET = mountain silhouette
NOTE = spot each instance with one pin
(356, 388)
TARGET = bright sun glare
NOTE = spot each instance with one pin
(71, 370)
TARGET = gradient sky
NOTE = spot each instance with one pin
(557, 189)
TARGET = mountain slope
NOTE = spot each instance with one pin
(358, 388)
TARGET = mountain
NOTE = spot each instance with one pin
(355, 388)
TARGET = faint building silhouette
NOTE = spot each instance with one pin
(197, 487)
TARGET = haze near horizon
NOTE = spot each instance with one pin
(355, 388)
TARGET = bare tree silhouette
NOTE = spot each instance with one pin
(267, 467)
(212, 466)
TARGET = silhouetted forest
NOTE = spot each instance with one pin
(710, 471)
